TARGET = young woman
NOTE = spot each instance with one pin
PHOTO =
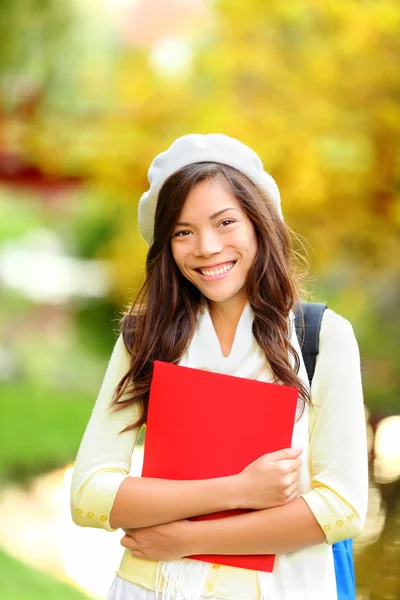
(219, 295)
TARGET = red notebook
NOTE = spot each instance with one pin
(202, 425)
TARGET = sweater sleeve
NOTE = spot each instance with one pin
(338, 456)
(105, 455)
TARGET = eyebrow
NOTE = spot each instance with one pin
(211, 217)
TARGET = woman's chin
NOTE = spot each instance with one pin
(222, 296)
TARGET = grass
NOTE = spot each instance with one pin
(40, 429)
(19, 582)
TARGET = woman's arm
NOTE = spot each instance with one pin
(104, 495)
(102, 492)
(146, 501)
(335, 507)
(271, 531)
(270, 480)
(338, 451)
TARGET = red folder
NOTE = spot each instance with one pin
(202, 425)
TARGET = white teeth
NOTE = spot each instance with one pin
(220, 271)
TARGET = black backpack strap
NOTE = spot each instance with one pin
(308, 335)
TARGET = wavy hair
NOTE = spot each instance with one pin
(160, 323)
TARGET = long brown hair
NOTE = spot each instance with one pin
(160, 323)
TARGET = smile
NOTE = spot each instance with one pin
(216, 272)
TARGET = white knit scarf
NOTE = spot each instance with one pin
(294, 576)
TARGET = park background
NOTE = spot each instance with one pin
(90, 92)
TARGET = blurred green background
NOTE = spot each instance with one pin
(90, 92)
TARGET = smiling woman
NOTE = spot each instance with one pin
(220, 295)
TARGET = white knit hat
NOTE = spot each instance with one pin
(193, 148)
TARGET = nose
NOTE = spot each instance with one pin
(207, 244)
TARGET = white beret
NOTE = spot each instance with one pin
(193, 148)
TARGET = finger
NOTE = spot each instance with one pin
(128, 542)
(291, 481)
(284, 454)
(138, 553)
(290, 465)
(292, 495)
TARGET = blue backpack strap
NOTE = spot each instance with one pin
(308, 335)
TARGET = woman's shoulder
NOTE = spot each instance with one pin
(335, 327)
(337, 343)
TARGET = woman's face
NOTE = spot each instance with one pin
(214, 242)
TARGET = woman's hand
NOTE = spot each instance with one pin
(169, 541)
(271, 480)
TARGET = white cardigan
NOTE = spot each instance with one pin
(333, 476)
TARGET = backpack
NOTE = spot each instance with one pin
(308, 337)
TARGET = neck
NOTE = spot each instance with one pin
(228, 313)
(225, 317)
